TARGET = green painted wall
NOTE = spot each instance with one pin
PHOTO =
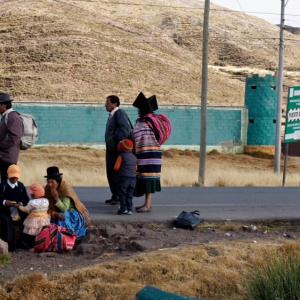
(261, 101)
(84, 123)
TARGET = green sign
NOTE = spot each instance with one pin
(292, 121)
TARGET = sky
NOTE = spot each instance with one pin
(269, 10)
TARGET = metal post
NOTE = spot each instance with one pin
(201, 177)
(286, 153)
(279, 94)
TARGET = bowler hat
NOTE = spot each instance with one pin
(144, 104)
(53, 172)
(5, 98)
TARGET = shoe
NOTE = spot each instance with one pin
(108, 201)
(129, 212)
(21, 244)
(138, 207)
(120, 212)
(143, 210)
(12, 248)
(114, 202)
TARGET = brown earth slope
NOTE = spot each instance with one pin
(82, 51)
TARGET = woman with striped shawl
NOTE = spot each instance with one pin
(148, 152)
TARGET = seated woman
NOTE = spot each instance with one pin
(65, 208)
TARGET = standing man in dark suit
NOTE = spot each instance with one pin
(117, 129)
(11, 131)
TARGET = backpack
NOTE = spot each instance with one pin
(161, 126)
(30, 130)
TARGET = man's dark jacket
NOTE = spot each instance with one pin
(117, 129)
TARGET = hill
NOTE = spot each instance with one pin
(68, 50)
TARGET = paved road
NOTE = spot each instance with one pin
(214, 204)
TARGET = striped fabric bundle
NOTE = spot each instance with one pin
(148, 151)
(54, 238)
(161, 126)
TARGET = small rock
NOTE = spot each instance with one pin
(86, 248)
(254, 241)
(227, 234)
(213, 252)
(142, 245)
(109, 232)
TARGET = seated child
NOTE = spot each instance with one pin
(11, 192)
(14, 213)
(38, 217)
(125, 166)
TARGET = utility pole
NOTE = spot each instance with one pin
(201, 177)
(279, 94)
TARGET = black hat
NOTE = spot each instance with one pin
(144, 104)
(5, 98)
(53, 172)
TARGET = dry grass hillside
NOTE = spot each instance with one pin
(84, 50)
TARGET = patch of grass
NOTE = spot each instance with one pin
(197, 184)
(5, 259)
(221, 182)
(155, 226)
(276, 279)
(260, 154)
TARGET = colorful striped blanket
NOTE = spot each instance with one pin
(161, 126)
(54, 238)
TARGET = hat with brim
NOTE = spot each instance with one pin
(145, 105)
(4, 97)
(37, 190)
(13, 171)
(53, 172)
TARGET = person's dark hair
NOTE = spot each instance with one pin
(8, 104)
(58, 179)
(144, 113)
(114, 99)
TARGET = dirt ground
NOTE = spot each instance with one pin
(116, 241)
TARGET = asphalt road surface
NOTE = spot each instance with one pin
(214, 204)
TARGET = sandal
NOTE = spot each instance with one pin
(144, 210)
(138, 207)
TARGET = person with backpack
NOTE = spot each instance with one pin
(148, 152)
(11, 131)
(12, 192)
(117, 129)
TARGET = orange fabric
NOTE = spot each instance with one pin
(118, 164)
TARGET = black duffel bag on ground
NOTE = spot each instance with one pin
(188, 220)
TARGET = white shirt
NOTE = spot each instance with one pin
(113, 112)
(12, 185)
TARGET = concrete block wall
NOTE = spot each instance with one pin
(84, 124)
(261, 101)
